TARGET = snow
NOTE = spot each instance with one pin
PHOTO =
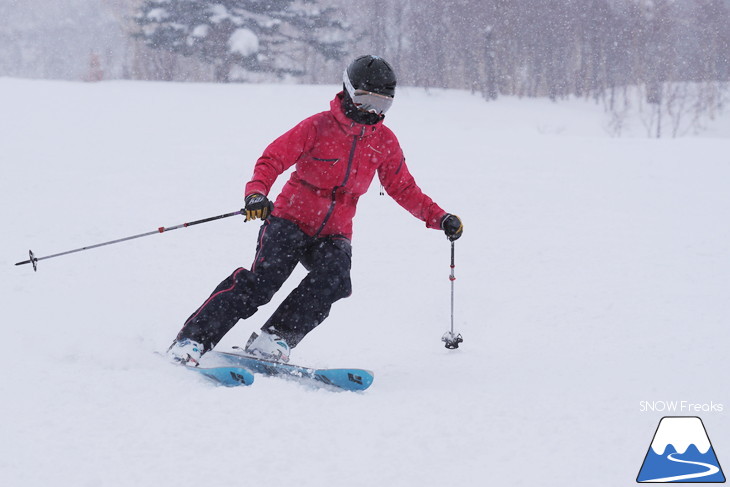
(157, 14)
(200, 30)
(221, 13)
(680, 433)
(243, 42)
(593, 274)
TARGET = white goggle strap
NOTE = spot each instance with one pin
(367, 101)
(348, 84)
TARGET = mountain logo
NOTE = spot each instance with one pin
(681, 452)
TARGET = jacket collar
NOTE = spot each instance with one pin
(348, 125)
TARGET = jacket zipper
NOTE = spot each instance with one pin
(331, 209)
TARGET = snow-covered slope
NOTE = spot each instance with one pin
(593, 274)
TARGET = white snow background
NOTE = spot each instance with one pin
(594, 273)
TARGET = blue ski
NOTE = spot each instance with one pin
(344, 379)
(229, 376)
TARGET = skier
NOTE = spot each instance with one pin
(336, 154)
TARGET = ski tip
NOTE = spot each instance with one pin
(346, 379)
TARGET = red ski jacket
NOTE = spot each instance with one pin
(336, 160)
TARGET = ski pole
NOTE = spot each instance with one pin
(34, 260)
(449, 338)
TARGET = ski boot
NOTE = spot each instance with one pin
(185, 352)
(268, 346)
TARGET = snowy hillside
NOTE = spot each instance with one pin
(593, 274)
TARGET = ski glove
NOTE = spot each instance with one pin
(258, 206)
(452, 226)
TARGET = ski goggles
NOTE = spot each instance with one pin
(367, 101)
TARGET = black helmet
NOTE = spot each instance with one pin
(370, 82)
(373, 74)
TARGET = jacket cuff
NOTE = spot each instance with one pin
(254, 187)
(436, 221)
(443, 219)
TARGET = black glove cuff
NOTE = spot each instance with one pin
(255, 198)
(443, 219)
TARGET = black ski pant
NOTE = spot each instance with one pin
(281, 246)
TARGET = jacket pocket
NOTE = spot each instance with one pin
(320, 158)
